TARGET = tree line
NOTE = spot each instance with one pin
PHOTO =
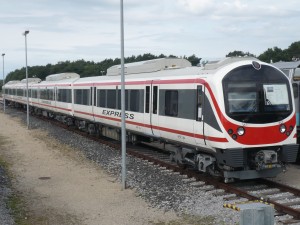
(84, 68)
(91, 68)
(275, 54)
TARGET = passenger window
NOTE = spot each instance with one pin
(82, 96)
(102, 98)
(134, 100)
(119, 100)
(171, 103)
(111, 99)
(147, 99)
(78, 96)
(295, 90)
(155, 93)
(86, 95)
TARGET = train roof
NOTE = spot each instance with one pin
(287, 65)
(228, 60)
(61, 79)
(31, 80)
(12, 82)
(62, 76)
(148, 66)
(205, 72)
(143, 76)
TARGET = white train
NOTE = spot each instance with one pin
(233, 118)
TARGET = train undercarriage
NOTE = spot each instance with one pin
(240, 163)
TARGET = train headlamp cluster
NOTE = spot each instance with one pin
(283, 129)
(240, 131)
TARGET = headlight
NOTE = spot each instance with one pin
(241, 131)
(282, 128)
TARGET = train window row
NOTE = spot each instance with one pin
(172, 103)
(134, 99)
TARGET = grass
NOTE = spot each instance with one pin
(16, 205)
(14, 201)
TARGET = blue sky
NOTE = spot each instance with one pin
(90, 29)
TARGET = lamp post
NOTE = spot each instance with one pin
(3, 94)
(25, 34)
(123, 128)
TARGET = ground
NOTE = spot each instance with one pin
(60, 186)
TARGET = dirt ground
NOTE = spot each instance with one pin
(61, 187)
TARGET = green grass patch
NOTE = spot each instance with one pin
(16, 205)
(14, 201)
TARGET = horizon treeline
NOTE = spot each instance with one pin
(91, 68)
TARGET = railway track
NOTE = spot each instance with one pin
(285, 199)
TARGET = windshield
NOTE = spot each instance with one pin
(257, 96)
(242, 97)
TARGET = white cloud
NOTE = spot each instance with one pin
(198, 6)
(90, 29)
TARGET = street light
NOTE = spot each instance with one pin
(3, 94)
(25, 34)
(123, 122)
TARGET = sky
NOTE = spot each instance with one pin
(61, 30)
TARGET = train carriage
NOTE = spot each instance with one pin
(9, 90)
(16, 91)
(53, 97)
(234, 118)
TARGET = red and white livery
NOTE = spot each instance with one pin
(233, 118)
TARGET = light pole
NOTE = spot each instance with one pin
(3, 93)
(25, 34)
(123, 128)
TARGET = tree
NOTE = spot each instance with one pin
(193, 59)
(239, 53)
(274, 55)
(84, 68)
(293, 51)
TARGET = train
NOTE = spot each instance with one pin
(234, 118)
(292, 71)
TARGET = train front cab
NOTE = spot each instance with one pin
(260, 122)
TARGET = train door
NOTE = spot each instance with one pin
(151, 115)
(55, 97)
(92, 104)
(199, 121)
(154, 115)
(147, 110)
